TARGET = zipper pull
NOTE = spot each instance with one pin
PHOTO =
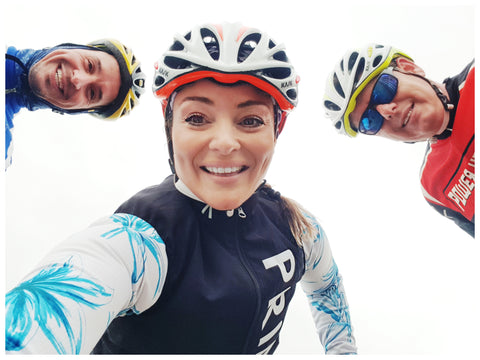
(241, 213)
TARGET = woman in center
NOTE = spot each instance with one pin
(236, 248)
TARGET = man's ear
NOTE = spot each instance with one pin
(409, 66)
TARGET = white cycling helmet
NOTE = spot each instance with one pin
(350, 76)
(228, 53)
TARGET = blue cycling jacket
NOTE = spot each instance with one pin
(18, 94)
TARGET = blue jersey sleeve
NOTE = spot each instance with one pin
(323, 286)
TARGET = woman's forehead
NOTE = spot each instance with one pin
(209, 89)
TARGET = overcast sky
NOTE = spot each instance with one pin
(411, 276)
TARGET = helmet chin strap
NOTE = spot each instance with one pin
(441, 96)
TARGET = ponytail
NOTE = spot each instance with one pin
(300, 226)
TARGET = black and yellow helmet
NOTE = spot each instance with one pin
(131, 76)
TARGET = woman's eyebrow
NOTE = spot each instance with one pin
(251, 103)
(202, 99)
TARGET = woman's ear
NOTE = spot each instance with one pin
(409, 66)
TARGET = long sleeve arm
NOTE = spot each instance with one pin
(115, 266)
(323, 286)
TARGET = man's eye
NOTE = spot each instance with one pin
(195, 119)
(91, 94)
(89, 66)
(252, 122)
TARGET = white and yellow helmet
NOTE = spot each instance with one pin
(131, 76)
(349, 77)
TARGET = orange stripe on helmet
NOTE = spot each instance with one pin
(219, 30)
(242, 31)
(164, 93)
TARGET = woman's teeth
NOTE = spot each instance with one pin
(221, 170)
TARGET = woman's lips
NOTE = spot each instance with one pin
(224, 171)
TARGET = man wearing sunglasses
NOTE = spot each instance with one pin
(379, 90)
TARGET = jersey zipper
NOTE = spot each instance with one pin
(250, 343)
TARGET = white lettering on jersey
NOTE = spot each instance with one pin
(280, 260)
(461, 191)
(277, 304)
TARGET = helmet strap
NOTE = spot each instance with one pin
(441, 96)
(443, 99)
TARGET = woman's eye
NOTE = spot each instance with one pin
(252, 122)
(195, 119)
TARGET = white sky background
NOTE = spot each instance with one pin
(411, 276)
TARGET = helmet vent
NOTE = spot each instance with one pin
(211, 43)
(177, 46)
(359, 72)
(176, 63)
(280, 56)
(271, 44)
(277, 73)
(338, 125)
(337, 86)
(352, 60)
(139, 83)
(188, 36)
(331, 106)
(159, 80)
(377, 60)
(292, 94)
(247, 46)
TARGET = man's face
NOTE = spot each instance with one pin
(414, 114)
(76, 78)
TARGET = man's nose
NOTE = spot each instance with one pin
(387, 110)
(80, 79)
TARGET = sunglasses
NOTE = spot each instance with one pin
(383, 92)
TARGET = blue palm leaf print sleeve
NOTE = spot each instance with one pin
(323, 286)
(115, 266)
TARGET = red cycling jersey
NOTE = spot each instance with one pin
(448, 172)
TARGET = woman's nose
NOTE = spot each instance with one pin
(224, 139)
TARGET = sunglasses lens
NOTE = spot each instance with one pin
(371, 122)
(384, 90)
